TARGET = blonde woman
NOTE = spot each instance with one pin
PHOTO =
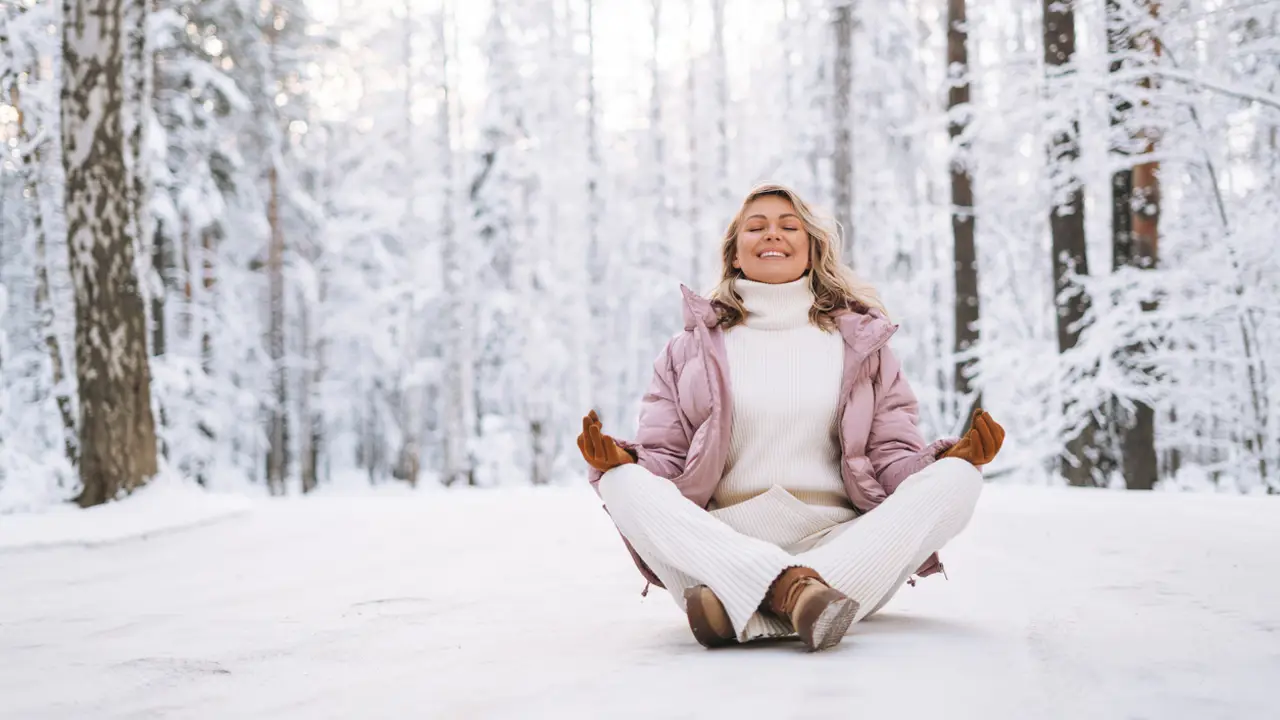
(778, 482)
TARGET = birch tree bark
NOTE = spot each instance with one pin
(408, 397)
(277, 422)
(117, 430)
(722, 107)
(597, 357)
(459, 407)
(137, 111)
(696, 240)
(842, 125)
(657, 137)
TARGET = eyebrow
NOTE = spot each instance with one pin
(784, 215)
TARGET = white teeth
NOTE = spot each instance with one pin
(771, 253)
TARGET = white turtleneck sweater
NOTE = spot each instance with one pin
(786, 375)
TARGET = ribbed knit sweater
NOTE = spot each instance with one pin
(786, 375)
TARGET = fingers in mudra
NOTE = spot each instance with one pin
(982, 441)
(596, 441)
(986, 443)
(997, 431)
(990, 436)
(587, 443)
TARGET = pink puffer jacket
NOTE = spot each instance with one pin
(687, 414)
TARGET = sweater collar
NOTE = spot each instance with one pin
(864, 329)
(783, 306)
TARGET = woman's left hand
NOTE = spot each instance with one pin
(599, 450)
(981, 444)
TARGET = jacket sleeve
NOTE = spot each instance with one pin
(894, 445)
(662, 440)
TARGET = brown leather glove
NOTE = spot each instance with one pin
(600, 451)
(982, 442)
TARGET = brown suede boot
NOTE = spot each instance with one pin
(819, 614)
(707, 618)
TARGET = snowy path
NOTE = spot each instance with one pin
(523, 605)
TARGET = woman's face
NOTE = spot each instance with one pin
(773, 246)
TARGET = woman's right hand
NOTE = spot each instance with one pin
(599, 450)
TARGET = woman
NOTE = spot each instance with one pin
(774, 425)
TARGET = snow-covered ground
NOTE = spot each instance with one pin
(522, 604)
(164, 506)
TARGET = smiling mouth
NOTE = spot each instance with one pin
(773, 255)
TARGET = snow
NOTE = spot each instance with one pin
(522, 604)
(164, 506)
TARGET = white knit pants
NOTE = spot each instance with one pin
(868, 558)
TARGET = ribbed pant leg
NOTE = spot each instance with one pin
(869, 560)
(670, 533)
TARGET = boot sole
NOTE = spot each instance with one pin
(828, 628)
(696, 601)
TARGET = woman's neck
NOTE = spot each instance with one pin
(775, 307)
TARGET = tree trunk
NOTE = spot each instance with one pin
(371, 452)
(459, 361)
(656, 135)
(1121, 195)
(535, 402)
(1138, 437)
(962, 215)
(594, 248)
(1121, 180)
(696, 249)
(117, 430)
(138, 93)
(187, 261)
(311, 455)
(1066, 225)
(542, 452)
(162, 266)
(308, 411)
(29, 167)
(1146, 181)
(597, 262)
(275, 338)
(1121, 184)
(722, 106)
(208, 280)
(842, 121)
(315, 435)
(408, 459)
(277, 421)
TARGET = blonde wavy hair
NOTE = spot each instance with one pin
(835, 287)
